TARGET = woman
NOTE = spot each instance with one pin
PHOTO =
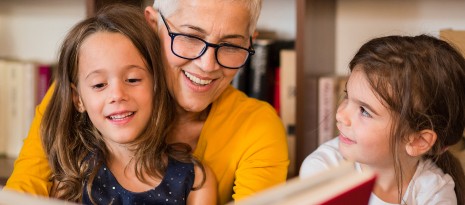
(241, 139)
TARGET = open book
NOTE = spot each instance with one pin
(339, 185)
(8, 197)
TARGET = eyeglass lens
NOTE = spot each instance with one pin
(226, 55)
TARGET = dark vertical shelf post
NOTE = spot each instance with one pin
(92, 6)
(315, 46)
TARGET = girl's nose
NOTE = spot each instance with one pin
(342, 114)
(117, 93)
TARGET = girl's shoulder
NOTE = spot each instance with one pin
(429, 174)
(179, 169)
(430, 185)
(327, 155)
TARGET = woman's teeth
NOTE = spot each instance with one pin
(197, 80)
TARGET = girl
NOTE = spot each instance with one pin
(404, 106)
(105, 130)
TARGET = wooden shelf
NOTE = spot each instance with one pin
(315, 47)
(6, 165)
(92, 6)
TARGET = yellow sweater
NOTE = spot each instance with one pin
(243, 141)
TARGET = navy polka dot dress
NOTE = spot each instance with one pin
(173, 189)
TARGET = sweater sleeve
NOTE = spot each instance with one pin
(31, 171)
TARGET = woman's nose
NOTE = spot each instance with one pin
(207, 62)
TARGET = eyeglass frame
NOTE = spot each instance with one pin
(172, 35)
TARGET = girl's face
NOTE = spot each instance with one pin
(364, 124)
(115, 87)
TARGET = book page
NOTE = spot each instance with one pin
(8, 197)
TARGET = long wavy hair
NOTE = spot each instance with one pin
(421, 79)
(75, 148)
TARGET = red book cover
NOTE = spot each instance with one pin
(338, 185)
(357, 195)
(43, 81)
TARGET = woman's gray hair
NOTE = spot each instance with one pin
(168, 7)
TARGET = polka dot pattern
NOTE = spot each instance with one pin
(173, 189)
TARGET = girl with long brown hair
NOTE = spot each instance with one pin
(404, 107)
(105, 130)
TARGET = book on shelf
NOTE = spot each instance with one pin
(287, 101)
(18, 98)
(240, 80)
(258, 78)
(43, 81)
(3, 101)
(276, 90)
(454, 37)
(263, 66)
(9, 197)
(323, 95)
(339, 185)
(22, 104)
(330, 93)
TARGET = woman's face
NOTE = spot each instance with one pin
(197, 83)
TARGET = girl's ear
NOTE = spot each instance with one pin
(421, 142)
(77, 99)
(151, 16)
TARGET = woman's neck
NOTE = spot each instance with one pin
(183, 115)
(188, 126)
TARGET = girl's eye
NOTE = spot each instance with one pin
(364, 112)
(98, 86)
(134, 80)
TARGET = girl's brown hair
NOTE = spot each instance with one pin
(422, 80)
(74, 147)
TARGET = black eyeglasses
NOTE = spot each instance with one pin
(191, 47)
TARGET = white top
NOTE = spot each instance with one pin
(429, 184)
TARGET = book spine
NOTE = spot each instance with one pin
(29, 97)
(287, 98)
(330, 92)
(326, 108)
(277, 91)
(43, 81)
(241, 79)
(14, 111)
(4, 86)
(263, 67)
(19, 104)
(261, 72)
